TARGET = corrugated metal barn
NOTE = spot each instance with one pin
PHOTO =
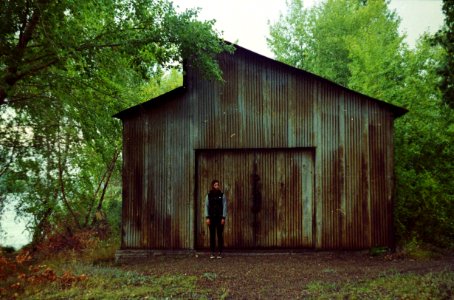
(304, 162)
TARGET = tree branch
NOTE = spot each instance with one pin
(26, 33)
(110, 172)
(62, 188)
(87, 216)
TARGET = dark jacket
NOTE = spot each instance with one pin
(215, 204)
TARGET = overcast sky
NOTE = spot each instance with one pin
(246, 21)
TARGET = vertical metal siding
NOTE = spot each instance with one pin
(157, 196)
(256, 107)
(261, 105)
(356, 174)
(270, 195)
(381, 172)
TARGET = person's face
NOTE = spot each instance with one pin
(216, 186)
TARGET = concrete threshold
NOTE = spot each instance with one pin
(125, 255)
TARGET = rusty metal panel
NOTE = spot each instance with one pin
(356, 173)
(380, 131)
(270, 196)
(328, 209)
(131, 224)
(258, 106)
(156, 195)
(353, 171)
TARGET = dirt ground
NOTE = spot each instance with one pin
(284, 275)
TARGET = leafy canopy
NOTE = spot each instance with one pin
(445, 38)
(336, 38)
(41, 37)
(66, 68)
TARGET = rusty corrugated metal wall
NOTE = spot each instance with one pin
(270, 196)
(325, 155)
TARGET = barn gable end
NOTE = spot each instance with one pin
(305, 163)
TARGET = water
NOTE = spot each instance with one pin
(13, 231)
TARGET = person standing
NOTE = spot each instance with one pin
(215, 213)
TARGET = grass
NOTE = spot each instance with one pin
(398, 286)
(92, 274)
(88, 273)
(109, 282)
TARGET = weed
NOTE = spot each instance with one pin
(377, 251)
(329, 270)
(225, 293)
(415, 249)
(19, 275)
(210, 276)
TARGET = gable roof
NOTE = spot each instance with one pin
(396, 110)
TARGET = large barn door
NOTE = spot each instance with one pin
(270, 196)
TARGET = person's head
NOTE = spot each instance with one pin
(215, 185)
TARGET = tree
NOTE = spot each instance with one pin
(67, 67)
(41, 36)
(445, 37)
(424, 151)
(326, 38)
(67, 169)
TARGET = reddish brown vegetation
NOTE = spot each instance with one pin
(23, 269)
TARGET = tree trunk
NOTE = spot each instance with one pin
(2, 96)
(38, 232)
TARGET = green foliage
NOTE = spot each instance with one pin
(113, 208)
(329, 37)
(445, 38)
(414, 249)
(357, 44)
(424, 152)
(377, 251)
(155, 87)
(54, 40)
(374, 51)
(66, 68)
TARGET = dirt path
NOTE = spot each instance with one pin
(284, 275)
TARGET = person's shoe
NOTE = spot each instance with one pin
(211, 256)
(219, 255)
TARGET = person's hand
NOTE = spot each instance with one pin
(208, 221)
(223, 221)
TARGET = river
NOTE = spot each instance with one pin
(13, 231)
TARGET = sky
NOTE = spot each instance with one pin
(245, 22)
